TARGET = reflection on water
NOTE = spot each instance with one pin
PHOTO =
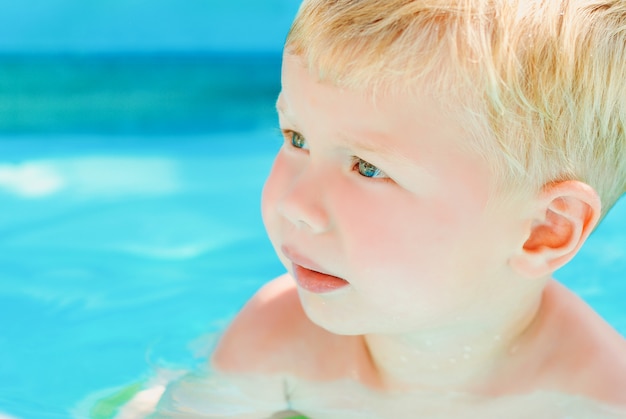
(113, 176)
(30, 180)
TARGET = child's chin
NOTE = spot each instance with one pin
(323, 315)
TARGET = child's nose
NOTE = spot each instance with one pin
(303, 203)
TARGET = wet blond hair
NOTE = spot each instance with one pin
(541, 82)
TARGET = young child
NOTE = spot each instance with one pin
(442, 158)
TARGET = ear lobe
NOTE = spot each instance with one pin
(569, 212)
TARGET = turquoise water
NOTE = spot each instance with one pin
(145, 94)
(130, 224)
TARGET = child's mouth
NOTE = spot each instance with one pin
(317, 282)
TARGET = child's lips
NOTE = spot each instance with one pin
(317, 282)
(311, 276)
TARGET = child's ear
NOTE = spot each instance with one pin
(568, 213)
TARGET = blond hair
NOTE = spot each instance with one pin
(545, 78)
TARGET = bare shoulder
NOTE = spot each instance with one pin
(594, 352)
(268, 334)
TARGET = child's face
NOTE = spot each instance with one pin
(410, 230)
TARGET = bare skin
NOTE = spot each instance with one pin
(299, 352)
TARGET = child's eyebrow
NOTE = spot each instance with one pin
(378, 148)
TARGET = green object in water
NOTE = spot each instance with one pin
(288, 414)
(107, 407)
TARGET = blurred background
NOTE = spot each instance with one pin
(137, 65)
(134, 139)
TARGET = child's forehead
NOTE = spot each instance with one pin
(374, 110)
(444, 91)
(402, 128)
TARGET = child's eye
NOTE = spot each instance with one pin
(296, 139)
(367, 169)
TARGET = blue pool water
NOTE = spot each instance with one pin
(115, 258)
(129, 238)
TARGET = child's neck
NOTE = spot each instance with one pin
(470, 356)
